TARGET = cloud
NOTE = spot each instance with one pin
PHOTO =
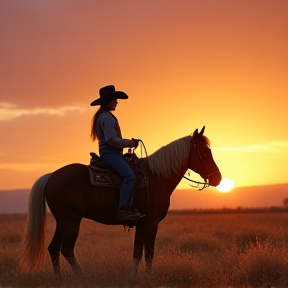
(269, 147)
(10, 112)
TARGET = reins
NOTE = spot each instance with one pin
(148, 200)
(205, 184)
(143, 145)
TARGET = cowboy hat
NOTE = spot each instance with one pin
(108, 93)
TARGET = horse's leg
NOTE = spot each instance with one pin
(70, 235)
(138, 252)
(149, 250)
(54, 249)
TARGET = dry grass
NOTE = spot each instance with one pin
(220, 250)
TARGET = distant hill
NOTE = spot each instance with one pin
(16, 201)
(247, 197)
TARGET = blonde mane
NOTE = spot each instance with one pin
(170, 158)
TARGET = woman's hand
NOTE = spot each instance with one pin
(133, 143)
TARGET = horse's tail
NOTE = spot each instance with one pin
(33, 245)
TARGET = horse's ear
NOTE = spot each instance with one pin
(202, 131)
(196, 132)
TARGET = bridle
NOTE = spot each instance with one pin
(206, 183)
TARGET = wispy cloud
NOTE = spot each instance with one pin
(10, 112)
(269, 147)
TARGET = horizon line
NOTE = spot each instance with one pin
(265, 185)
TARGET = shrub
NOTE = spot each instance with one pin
(262, 264)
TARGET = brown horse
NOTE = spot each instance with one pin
(70, 197)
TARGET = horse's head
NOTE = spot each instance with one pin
(201, 160)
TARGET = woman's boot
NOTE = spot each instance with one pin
(126, 214)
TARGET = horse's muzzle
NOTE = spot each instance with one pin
(215, 179)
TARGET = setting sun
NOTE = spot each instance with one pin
(225, 185)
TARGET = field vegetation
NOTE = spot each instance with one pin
(192, 250)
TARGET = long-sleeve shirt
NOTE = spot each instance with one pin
(109, 135)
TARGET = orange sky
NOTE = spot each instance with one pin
(184, 64)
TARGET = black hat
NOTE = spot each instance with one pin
(108, 93)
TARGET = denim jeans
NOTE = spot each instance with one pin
(127, 174)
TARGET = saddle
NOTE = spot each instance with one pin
(104, 175)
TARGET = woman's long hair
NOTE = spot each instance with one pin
(102, 108)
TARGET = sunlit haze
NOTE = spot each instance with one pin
(184, 64)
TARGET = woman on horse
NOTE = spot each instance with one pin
(106, 129)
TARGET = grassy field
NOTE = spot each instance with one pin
(192, 250)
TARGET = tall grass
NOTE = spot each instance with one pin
(223, 250)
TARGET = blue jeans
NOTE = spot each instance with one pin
(124, 170)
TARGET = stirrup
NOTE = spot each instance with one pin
(126, 216)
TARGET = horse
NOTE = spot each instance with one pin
(70, 197)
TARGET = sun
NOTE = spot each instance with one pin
(225, 185)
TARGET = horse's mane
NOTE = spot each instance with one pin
(172, 157)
